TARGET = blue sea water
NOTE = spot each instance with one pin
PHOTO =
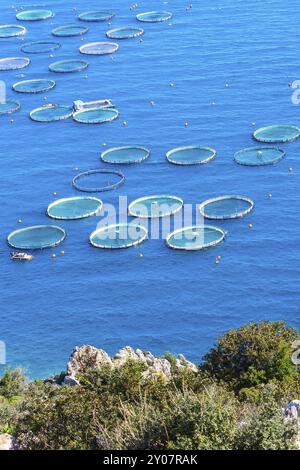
(166, 300)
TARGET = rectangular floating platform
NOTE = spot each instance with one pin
(81, 105)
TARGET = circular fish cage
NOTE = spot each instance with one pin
(34, 86)
(10, 106)
(96, 115)
(34, 15)
(99, 48)
(125, 155)
(11, 30)
(92, 178)
(278, 133)
(40, 47)
(197, 237)
(155, 206)
(14, 63)
(259, 156)
(226, 207)
(126, 32)
(191, 155)
(36, 237)
(118, 236)
(154, 16)
(69, 31)
(73, 208)
(96, 16)
(68, 66)
(51, 113)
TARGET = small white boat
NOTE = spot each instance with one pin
(21, 256)
(81, 105)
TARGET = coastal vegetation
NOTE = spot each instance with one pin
(234, 398)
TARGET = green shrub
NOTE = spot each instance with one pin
(253, 354)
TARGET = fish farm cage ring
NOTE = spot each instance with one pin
(126, 32)
(73, 208)
(11, 30)
(259, 156)
(14, 63)
(34, 86)
(36, 237)
(96, 16)
(10, 106)
(197, 237)
(34, 15)
(95, 189)
(40, 47)
(118, 236)
(99, 48)
(68, 66)
(226, 207)
(280, 133)
(154, 16)
(155, 206)
(191, 155)
(69, 31)
(96, 115)
(125, 155)
(51, 113)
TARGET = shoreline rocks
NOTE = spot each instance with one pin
(7, 442)
(86, 357)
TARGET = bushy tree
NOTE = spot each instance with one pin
(12, 383)
(253, 354)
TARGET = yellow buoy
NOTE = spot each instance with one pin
(62, 252)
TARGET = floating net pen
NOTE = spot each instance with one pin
(68, 66)
(36, 237)
(278, 133)
(69, 31)
(259, 156)
(154, 16)
(92, 181)
(226, 207)
(99, 48)
(96, 16)
(126, 32)
(73, 208)
(51, 113)
(34, 15)
(191, 155)
(10, 106)
(197, 237)
(34, 86)
(118, 236)
(14, 63)
(11, 30)
(125, 155)
(40, 47)
(96, 115)
(155, 206)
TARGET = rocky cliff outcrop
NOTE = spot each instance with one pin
(7, 442)
(87, 357)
